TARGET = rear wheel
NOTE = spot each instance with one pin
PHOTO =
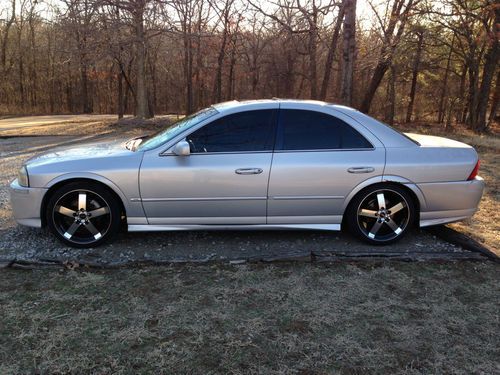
(381, 214)
(83, 214)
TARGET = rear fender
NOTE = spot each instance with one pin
(388, 178)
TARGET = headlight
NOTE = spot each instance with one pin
(23, 178)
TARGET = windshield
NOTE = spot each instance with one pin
(176, 128)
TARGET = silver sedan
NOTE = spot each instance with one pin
(262, 164)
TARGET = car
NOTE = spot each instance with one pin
(261, 164)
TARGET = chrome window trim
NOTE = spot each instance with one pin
(167, 153)
(327, 150)
(221, 153)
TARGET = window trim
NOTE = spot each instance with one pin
(280, 134)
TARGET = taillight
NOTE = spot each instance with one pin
(474, 171)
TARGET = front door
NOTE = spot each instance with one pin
(319, 159)
(224, 179)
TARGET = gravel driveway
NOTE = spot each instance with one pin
(22, 243)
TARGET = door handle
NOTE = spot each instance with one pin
(361, 170)
(248, 171)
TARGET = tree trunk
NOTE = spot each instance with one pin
(121, 107)
(331, 53)
(391, 96)
(188, 67)
(217, 91)
(387, 51)
(463, 103)
(313, 51)
(494, 104)
(84, 87)
(142, 107)
(5, 39)
(490, 65)
(348, 52)
(444, 88)
(414, 79)
(377, 76)
(472, 98)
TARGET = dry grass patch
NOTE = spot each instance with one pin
(340, 318)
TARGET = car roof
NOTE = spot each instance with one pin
(240, 103)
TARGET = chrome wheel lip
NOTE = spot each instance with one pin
(397, 231)
(82, 219)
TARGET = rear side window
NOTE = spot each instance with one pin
(309, 130)
(239, 132)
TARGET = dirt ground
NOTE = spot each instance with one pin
(26, 243)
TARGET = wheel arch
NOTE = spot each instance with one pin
(58, 182)
(407, 185)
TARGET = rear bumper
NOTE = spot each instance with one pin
(447, 202)
(26, 204)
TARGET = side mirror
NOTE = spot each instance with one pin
(182, 148)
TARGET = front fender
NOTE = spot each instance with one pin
(89, 176)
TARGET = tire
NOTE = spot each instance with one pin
(369, 218)
(83, 214)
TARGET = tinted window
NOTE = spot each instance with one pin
(244, 131)
(308, 130)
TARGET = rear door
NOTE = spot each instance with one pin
(319, 158)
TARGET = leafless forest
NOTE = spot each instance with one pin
(400, 60)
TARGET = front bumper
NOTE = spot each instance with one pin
(447, 202)
(26, 204)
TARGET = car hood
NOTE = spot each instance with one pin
(84, 151)
(433, 141)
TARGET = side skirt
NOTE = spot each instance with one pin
(161, 228)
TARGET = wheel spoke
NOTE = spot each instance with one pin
(65, 211)
(394, 227)
(71, 230)
(381, 200)
(396, 208)
(99, 212)
(368, 213)
(375, 229)
(92, 229)
(82, 201)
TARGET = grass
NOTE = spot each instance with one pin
(288, 318)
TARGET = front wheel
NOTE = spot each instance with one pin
(83, 214)
(381, 214)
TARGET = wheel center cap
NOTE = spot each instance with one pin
(384, 215)
(82, 216)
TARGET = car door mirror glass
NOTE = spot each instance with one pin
(182, 148)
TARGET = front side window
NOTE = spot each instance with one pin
(309, 130)
(176, 128)
(239, 132)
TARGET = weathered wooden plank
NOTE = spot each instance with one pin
(452, 236)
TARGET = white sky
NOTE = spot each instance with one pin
(363, 11)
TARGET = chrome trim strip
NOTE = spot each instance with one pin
(160, 228)
(201, 199)
(327, 150)
(297, 197)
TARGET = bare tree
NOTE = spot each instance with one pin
(392, 30)
(419, 32)
(348, 52)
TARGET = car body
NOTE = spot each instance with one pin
(253, 165)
